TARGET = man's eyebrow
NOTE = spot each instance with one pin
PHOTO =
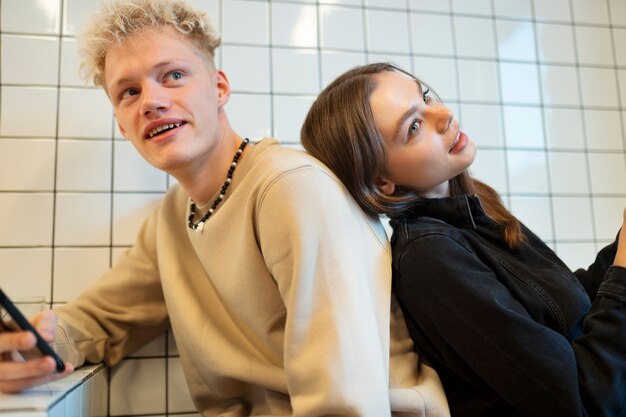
(124, 80)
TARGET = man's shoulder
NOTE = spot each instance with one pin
(274, 156)
(274, 163)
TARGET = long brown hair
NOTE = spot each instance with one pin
(339, 130)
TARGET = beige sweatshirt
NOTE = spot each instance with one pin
(280, 306)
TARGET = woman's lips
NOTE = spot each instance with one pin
(460, 143)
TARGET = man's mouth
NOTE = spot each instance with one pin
(163, 128)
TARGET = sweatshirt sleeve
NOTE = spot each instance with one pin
(466, 319)
(331, 276)
(121, 312)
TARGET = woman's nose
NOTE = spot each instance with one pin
(441, 116)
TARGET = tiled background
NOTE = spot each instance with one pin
(540, 85)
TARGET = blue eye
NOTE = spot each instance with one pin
(176, 75)
(414, 127)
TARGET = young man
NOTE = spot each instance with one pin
(274, 282)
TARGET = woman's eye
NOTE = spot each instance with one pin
(426, 97)
(414, 128)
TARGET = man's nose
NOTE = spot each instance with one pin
(441, 117)
(155, 101)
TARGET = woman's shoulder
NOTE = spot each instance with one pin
(426, 236)
(415, 228)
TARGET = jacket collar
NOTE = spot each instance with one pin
(461, 211)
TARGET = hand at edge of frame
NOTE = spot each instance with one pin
(620, 256)
(17, 373)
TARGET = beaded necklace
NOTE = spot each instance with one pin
(192, 207)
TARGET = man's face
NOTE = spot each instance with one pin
(167, 100)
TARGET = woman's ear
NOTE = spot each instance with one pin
(385, 186)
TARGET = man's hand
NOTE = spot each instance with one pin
(17, 374)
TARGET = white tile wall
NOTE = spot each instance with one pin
(138, 386)
(26, 271)
(593, 45)
(440, 73)
(40, 67)
(475, 37)
(423, 26)
(606, 213)
(618, 12)
(83, 165)
(31, 16)
(604, 130)
(568, 172)
(129, 211)
(18, 111)
(556, 10)
(555, 42)
(341, 28)
(429, 5)
(490, 167)
(15, 175)
(539, 85)
(599, 87)
(528, 172)
(336, 62)
(79, 218)
(559, 85)
(478, 81)
(564, 128)
(179, 399)
(535, 212)
(591, 11)
(387, 31)
(252, 15)
(295, 71)
(253, 112)
(619, 39)
(516, 40)
(289, 113)
(572, 218)
(520, 83)
(523, 127)
(84, 264)
(294, 25)
(475, 7)
(513, 8)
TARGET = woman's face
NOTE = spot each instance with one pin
(425, 147)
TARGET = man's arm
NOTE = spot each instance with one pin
(121, 312)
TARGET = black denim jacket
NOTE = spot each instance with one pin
(510, 332)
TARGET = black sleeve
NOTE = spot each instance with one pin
(592, 277)
(474, 325)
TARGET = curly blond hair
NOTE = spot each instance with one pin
(119, 19)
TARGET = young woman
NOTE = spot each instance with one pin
(510, 329)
